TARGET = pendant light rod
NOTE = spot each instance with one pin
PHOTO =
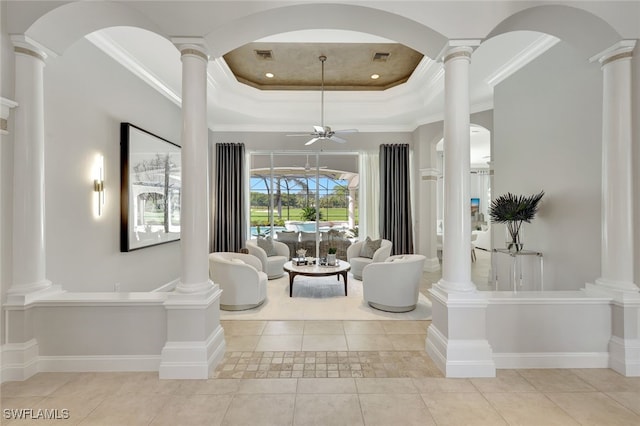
(322, 59)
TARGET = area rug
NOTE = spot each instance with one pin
(321, 298)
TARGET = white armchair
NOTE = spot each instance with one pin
(483, 239)
(271, 265)
(358, 262)
(393, 285)
(240, 276)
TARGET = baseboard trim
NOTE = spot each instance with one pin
(98, 363)
(192, 360)
(460, 358)
(625, 356)
(551, 360)
(19, 361)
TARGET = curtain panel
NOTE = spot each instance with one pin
(369, 195)
(395, 197)
(229, 224)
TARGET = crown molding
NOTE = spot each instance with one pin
(129, 62)
(526, 55)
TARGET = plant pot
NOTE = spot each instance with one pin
(331, 259)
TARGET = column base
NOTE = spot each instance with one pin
(456, 287)
(460, 358)
(624, 346)
(19, 361)
(192, 360)
(195, 340)
(432, 264)
(612, 285)
(23, 295)
(457, 339)
(197, 288)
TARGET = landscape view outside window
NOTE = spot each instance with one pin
(288, 193)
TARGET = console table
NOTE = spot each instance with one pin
(515, 275)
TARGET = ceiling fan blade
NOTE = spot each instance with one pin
(346, 131)
(311, 141)
(337, 139)
(301, 134)
(318, 129)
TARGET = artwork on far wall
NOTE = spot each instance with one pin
(150, 189)
(475, 207)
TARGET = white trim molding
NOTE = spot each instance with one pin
(194, 359)
(19, 361)
(6, 105)
(551, 360)
(528, 54)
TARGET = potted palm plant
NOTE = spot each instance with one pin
(513, 210)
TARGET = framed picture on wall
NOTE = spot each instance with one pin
(475, 206)
(150, 189)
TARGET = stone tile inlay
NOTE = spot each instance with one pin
(326, 364)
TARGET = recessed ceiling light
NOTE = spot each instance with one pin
(269, 75)
(375, 76)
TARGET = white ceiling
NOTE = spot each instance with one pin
(233, 106)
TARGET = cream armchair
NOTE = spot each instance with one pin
(271, 265)
(393, 285)
(358, 262)
(240, 277)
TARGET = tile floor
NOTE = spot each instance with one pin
(380, 378)
(329, 373)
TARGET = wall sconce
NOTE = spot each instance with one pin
(98, 182)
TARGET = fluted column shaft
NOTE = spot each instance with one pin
(456, 261)
(194, 211)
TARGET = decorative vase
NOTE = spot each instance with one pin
(331, 259)
(513, 237)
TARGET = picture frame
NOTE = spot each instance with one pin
(150, 170)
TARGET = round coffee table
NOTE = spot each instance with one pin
(317, 271)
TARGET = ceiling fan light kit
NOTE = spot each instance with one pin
(323, 132)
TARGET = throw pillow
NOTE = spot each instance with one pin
(266, 244)
(369, 247)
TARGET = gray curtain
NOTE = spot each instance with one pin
(395, 197)
(229, 233)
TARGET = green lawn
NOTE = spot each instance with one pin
(331, 214)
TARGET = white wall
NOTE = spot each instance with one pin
(547, 137)
(87, 95)
(636, 167)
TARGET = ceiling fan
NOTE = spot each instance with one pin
(323, 132)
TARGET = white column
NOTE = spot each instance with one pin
(618, 254)
(617, 173)
(29, 260)
(456, 248)
(457, 337)
(195, 340)
(194, 211)
(352, 208)
(429, 214)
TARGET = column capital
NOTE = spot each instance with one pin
(621, 50)
(430, 173)
(194, 46)
(458, 49)
(25, 45)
